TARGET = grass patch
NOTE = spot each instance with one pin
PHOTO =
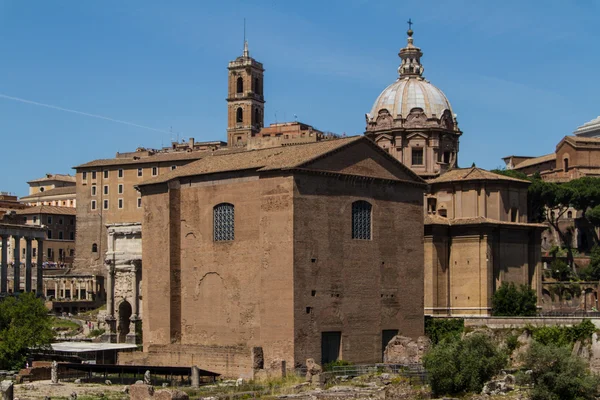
(63, 324)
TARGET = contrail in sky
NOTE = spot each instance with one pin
(35, 103)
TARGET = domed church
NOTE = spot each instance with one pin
(413, 120)
(476, 233)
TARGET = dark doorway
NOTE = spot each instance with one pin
(330, 346)
(124, 315)
(386, 336)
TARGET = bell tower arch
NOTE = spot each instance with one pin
(245, 99)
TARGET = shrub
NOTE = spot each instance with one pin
(438, 329)
(556, 374)
(510, 300)
(512, 342)
(564, 336)
(96, 332)
(457, 366)
(338, 363)
(560, 270)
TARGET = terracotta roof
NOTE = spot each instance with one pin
(48, 210)
(580, 141)
(535, 161)
(55, 177)
(51, 192)
(437, 220)
(155, 158)
(286, 157)
(472, 174)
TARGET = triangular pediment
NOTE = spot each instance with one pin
(364, 158)
(417, 134)
(383, 137)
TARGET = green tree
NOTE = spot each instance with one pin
(24, 323)
(592, 271)
(458, 366)
(560, 270)
(510, 300)
(558, 375)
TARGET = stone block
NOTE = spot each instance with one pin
(6, 389)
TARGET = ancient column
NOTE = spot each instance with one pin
(71, 291)
(28, 264)
(40, 273)
(4, 265)
(195, 377)
(54, 372)
(78, 290)
(56, 289)
(110, 283)
(134, 289)
(17, 264)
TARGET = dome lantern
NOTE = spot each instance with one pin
(411, 57)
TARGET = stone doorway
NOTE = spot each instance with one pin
(386, 336)
(330, 346)
(123, 323)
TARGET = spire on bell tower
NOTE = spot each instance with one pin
(410, 66)
(246, 53)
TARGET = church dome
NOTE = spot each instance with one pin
(411, 92)
(411, 96)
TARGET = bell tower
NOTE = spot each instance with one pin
(245, 101)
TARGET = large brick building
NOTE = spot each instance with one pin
(291, 252)
(106, 193)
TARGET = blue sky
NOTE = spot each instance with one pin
(520, 75)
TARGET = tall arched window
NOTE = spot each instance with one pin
(361, 220)
(256, 117)
(240, 85)
(223, 222)
(256, 86)
(239, 115)
(94, 248)
(566, 164)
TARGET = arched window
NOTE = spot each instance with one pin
(361, 220)
(223, 222)
(256, 117)
(569, 214)
(239, 115)
(256, 86)
(94, 248)
(566, 164)
(240, 85)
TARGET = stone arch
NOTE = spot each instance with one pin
(125, 312)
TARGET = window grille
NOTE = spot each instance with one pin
(361, 220)
(224, 222)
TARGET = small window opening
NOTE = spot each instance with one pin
(240, 85)
(417, 156)
(239, 115)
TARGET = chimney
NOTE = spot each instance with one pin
(192, 143)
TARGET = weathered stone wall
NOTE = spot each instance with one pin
(356, 287)
(234, 361)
